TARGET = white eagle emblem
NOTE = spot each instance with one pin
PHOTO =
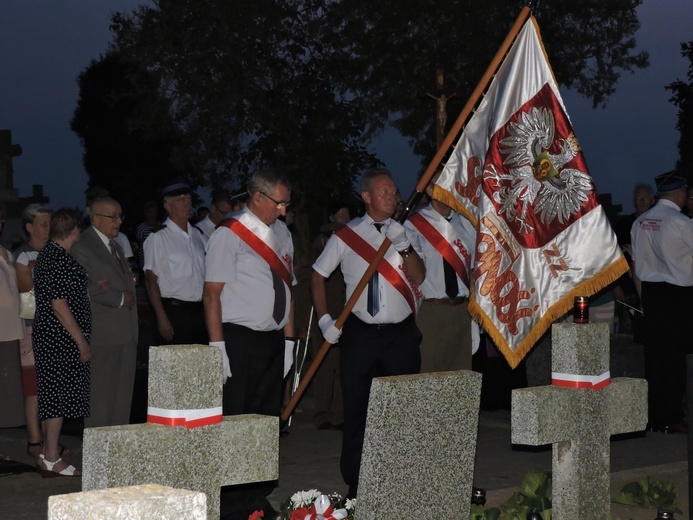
(536, 179)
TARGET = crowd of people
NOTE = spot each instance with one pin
(240, 279)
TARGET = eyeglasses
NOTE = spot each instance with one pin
(284, 204)
(120, 217)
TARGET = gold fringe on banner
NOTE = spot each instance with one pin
(558, 309)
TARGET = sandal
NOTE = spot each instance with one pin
(62, 450)
(48, 472)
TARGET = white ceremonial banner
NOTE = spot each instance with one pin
(518, 173)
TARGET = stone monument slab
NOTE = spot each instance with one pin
(420, 441)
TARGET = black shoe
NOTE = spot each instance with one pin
(351, 494)
(324, 426)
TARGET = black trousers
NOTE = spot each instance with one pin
(257, 366)
(255, 386)
(187, 320)
(668, 339)
(369, 351)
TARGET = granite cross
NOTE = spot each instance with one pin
(578, 413)
(186, 442)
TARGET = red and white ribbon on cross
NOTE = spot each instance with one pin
(322, 509)
(189, 418)
(581, 381)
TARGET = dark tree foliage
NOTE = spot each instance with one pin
(683, 98)
(131, 144)
(400, 44)
(306, 84)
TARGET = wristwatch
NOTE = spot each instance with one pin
(406, 252)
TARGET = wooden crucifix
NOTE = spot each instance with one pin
(441, 94)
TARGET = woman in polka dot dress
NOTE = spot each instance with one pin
(61, 339)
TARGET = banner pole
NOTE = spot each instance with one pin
(411, 203)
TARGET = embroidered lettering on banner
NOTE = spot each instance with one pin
(553, 253)
(503, 289)
(471, 189)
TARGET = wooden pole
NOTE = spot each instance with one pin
(413, 200)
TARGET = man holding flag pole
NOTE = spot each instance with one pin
(380, 336)
(518, 174)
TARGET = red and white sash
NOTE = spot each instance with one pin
(261, 239)
(441, 235)
(390, 267)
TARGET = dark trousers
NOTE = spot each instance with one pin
(255, 386)
(257, 365)
(187, 320)
(368, 351)
(667, 311)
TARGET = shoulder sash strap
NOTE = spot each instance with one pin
(440, 243)
(385, 268)
(268, 254)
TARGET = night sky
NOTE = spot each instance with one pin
(47, 43)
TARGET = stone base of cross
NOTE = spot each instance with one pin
(186, 444)
(578, 414)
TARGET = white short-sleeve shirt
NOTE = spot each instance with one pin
(662, 242)
(393, 307)
(433, 285)
(177, 258)
(247, 298)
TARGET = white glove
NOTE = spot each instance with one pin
(329, 331)
(288, 354)
(226, 366)
(395, 232)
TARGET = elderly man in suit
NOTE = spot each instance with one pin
(114, 316)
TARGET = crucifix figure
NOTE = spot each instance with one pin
(578, 414)
(441, 94)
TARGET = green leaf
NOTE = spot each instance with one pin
(534, 484)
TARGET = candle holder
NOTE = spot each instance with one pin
(581, 310)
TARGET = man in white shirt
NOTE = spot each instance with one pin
(248, 298)
(445, 241)
(662, 244)
(221, 205)
(380, 336)
(174, 270)
(249, 311)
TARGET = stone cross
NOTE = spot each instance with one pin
(420, 441)
(578, 413)
(200, 450)
(130, 503)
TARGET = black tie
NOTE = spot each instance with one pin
(279, 297)
(450, 278)
(373, 299)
